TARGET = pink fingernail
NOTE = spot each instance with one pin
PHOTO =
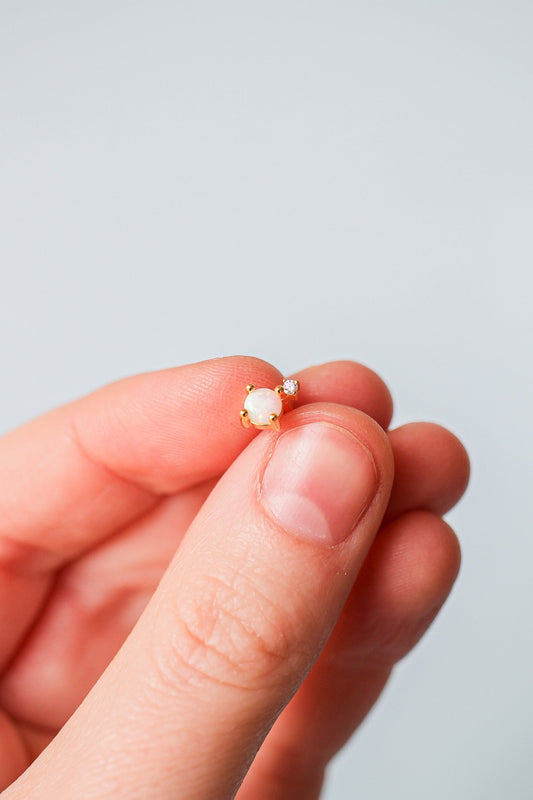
(318, 482)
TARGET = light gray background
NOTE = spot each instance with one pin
(302, 181)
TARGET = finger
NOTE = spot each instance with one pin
(347, 383)
(96, 464)
(237, 621)
(100, 597)
(73, 478)
(431, 469)
(95, 603)
(405, 580)
(80, 473)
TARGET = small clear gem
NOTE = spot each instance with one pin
(290, 386)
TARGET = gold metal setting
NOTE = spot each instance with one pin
(286, 392)
(274, 422)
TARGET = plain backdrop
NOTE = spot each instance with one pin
(302, 181)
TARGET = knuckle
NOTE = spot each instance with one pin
(226, 631)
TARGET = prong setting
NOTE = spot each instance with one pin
(274, 421)
(291, 387)
(250, 388)
(245, 418)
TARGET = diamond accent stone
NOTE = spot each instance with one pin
(290, 386)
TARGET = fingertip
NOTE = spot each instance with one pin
(414, 564)
(347, 383)
(426, 560)
(404, 582)
(447, 445)
(454, 456)
(432, 468)
(173, 427)
(247, 368)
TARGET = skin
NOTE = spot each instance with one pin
(277, 664)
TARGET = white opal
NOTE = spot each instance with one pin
(260, 404)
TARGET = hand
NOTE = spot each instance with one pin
(273, 574)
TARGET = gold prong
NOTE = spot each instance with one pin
(279, 390)
(245, 419)
(274, 421)
(250, 388)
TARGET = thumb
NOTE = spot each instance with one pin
(236, 623)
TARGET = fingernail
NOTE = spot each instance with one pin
(318, 482)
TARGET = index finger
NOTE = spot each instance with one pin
(78, 473)
(81, 472)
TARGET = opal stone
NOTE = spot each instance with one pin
(260, 404)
